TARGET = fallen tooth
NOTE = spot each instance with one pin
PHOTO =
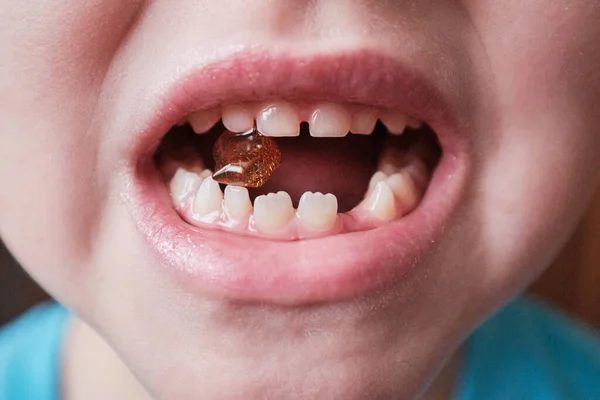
(394, 122)
(405, 189)
(208, 199)
(318, 211)
(279, 119)
(329, 120)
(380, 203)
(238, 118)
(376, 178)
(363, 122)
(237, 202)
(273, 212)
(203, 121)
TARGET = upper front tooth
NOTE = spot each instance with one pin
(273, 212)
(208, 199)
(278, 119)
(329, 120)
(381, 202)
(237, 202)
(318, 211)
(202, 121)
(394, 122)
(238, 118)
(363, 122)
(183, 184)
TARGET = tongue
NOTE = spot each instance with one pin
(342, 166)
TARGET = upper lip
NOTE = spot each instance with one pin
(363, 77)
(325, 269)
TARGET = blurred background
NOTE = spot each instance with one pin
(572, 282)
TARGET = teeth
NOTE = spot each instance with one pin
(329, 120)
(202, 121)
(363, 122)
(375, 179)
(208, 199)
(237, 202)
(394, 122)
(272, 212)
(238, 118)
(183, 184)
(279, 119)
(318, 211)
(405, 190)
(380, 203)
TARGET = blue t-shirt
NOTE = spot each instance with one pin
(527, 351)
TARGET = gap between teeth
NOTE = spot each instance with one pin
(281, 118)
(200, 199)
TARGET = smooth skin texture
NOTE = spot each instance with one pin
(74, 75)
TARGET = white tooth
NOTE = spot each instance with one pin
(202, 121)
(183, 184)
(238, 118)
(363, 122)
(376, 178)
(394, 122)
(381, 202)
(206, 173)
(273, 212)
(208, 199)
(237, 202)
(404, 188)
(278, 119)
(318, 211)
(329, 120)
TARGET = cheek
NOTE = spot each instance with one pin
(539, 171)
(54, 60)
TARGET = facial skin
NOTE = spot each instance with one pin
(524, 78)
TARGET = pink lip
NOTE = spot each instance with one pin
(333, 268)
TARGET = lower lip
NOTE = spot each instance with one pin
(225, 265)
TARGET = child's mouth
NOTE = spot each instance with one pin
(372, 177)
(364, 187)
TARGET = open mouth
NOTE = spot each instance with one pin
(335, 168)
(296, 180)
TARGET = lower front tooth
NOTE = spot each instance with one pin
(208, 199)
(380, 203)
(273, 212)
(317, 211)
(237, 202)
(183, 184)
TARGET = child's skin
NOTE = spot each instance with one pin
(76, 78)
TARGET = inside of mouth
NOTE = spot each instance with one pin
(341, 166)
